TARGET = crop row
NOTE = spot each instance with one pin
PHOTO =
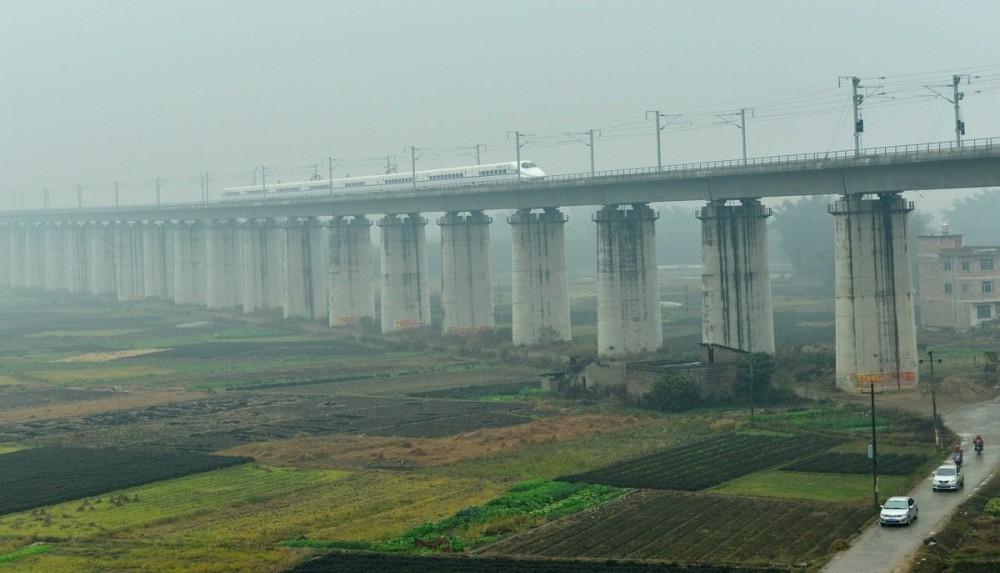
(846, 463)
(706, 463)
(695, 528)
(380, 562)
(43, 476)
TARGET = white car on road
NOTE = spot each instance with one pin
(898, 510)
(948, 477)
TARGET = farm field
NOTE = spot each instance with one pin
(364, 442)
(695, 528)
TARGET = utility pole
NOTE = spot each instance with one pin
(590, 144)
(874, 448)
(156, 183)
(263, 181)
(330, 161)
(856, 99)
(45, 194)
(390, 167)
(116, 193)
(955, 101)
(204, 186)
(518, 136)
(478, 145)
(959, 124)
(742, 127)
(413, 163)
(933, 393)
(79, 196)
(670, 119)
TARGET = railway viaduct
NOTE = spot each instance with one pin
(274, 253)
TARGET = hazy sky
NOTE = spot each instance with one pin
(97, 91)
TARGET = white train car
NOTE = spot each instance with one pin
(469, 175)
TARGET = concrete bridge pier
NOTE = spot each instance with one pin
(190, 260)
(55, 256)
(540, 295)
(628, 296)
(129, 276)
(158, 260)
(405, 292)
(304, 275)
(224, 279)
(101, 250)
(5, 255)
(34, 256)
(350, 288)
(736, 284)
(16, 255)
(77, 259)
(466, 286)
(876, 330)
(263, 252)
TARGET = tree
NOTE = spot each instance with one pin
(755, 373)
(807, 233)
(673, 392)
(974, 217)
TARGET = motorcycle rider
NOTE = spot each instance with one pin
(956, 456)
(978, 443)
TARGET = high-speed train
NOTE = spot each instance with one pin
(471, 175)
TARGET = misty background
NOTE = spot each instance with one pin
(140, 95)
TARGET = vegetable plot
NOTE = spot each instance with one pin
(706, 463)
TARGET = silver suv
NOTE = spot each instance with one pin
(948, 477)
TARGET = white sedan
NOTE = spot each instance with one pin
(898, 510)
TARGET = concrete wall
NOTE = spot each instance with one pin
(304, 272)
(224, 277)
(540, 295)
(101, 251)
(190, 261)
(263, 265)
(158, 260)
(736, 282)
(55, 257)
(628, 297)
(129, 266)
(351, 288)
(876, 330)
(405, 292)
(466, 284)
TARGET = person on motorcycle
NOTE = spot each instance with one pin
(978, 443)
(956, 456)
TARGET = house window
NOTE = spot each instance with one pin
(986, 264)
(983, 311)
(987, 287)
(947, 265)
(965, 265)
(947, 288)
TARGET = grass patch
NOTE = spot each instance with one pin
(95, 333)
(822, 487)
(8, 380)
(34, 549)
(524, 506)
(78, 374)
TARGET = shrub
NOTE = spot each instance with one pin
(673, 393)
(992, 507)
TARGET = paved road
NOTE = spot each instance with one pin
(889, 549)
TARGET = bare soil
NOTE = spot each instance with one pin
(355, 451)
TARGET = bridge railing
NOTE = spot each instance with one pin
(840, 155)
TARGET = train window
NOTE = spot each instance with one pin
(354, 184)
